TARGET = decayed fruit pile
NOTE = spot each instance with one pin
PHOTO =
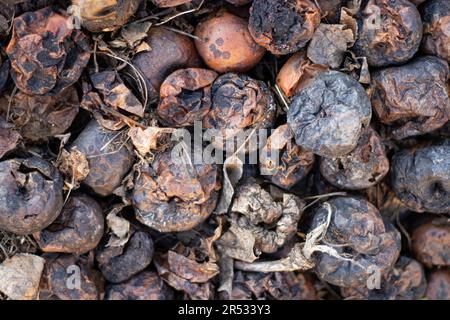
(347, 198)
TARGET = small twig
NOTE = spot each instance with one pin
(283, 98)
(10, 102)
(180, 14)
(183, 33)
(326, 195)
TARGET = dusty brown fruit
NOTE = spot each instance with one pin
(146, 285)
(438, 285)
(238, 103)
(175, 195)
(225, 44)
(282, 161)
(325, 118)
(60, 274)
(406, 281)
(42, 117)
(412, 99)
(105, 15)
(169, 51)
(363, 241)
(362, 168)
(297, 72)
(394, 37)
(46, 54)
(78, 229)
(283, 27)
(436, 23)
(170, 3)
(30, 193)
(120, 263)
(420, 177)
(185, 97)
(109, 157)
(431, 243)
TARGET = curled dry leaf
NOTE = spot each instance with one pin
(132, 36)
(238, 243)
(20, 276)
(115, 93)
(329, 43)
(145, 140)
(233, 168)
(74, 166)
(119, 228)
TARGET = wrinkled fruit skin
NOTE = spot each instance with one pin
(57, 275)
(46, 55)
(273, 223)
(78, 229)
(42, 117)
(292, 164)
(185, 97)
(170, 51)
(276, 285)
(297, 72)
(119, 264)
(431, 244)
(396, 39)
(283, 27)
(416, 107)
(105, 15)
(362, 168)
(30, 193)
(436, 23)
(439, 285)
(147, 285)
(226, 44)
(107, 167)
(421, 178)
(358, 230)
(238, 103)
(172, 196)
(405, 282)
(329, 114)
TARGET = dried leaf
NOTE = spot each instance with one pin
(226, 275)
(74, 165)
(238, 243)
(233, 169)
(20, 276)
(120, 228)
(146, 140)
